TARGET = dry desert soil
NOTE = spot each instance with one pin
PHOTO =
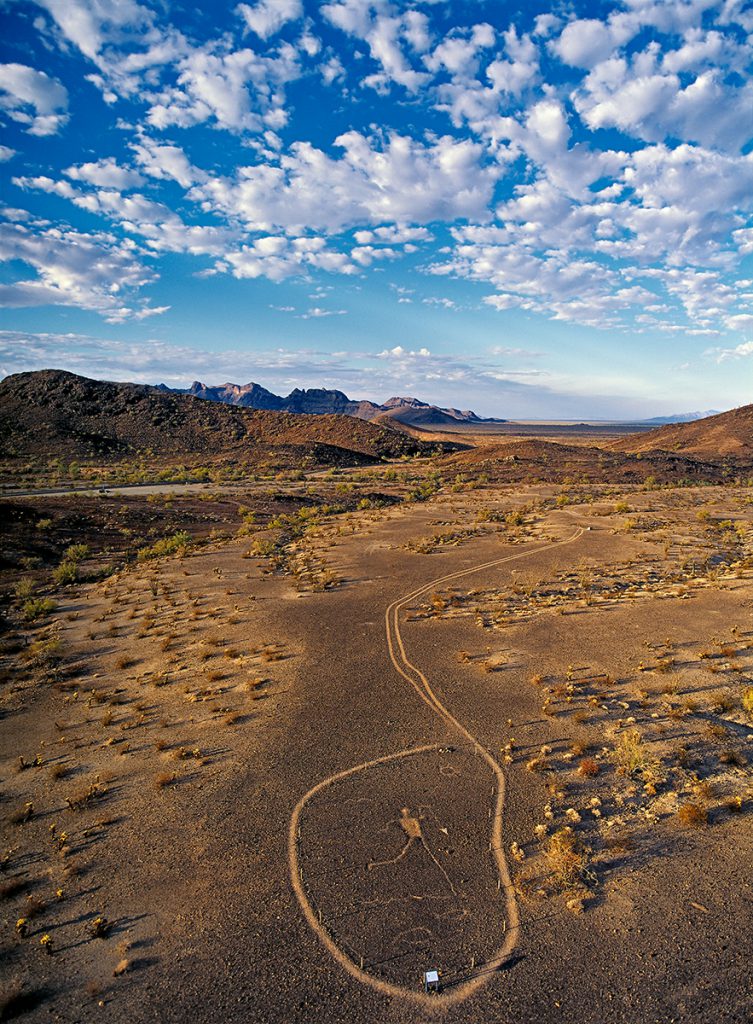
(504, 733)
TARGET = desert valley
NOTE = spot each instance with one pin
(300, 707)
(376, 512)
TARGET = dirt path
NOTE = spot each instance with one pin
(419, 681)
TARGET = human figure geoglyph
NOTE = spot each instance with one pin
(411, 826)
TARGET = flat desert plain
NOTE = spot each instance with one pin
(504, 734)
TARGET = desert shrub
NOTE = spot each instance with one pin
(426, 488)
(264, 548)
(176, 543)
(44, 654)
(692, 815)
(99, 928)
(36, 608)
(22, 814)
(12, 888)
(747, 699)
(630, 754)
(566, 858)
(85, 797)
(66, 572)
(75, 552)
(24, 589)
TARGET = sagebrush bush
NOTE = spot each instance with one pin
(65, 573)
(36, 608)
(566, 858)
(176, 543)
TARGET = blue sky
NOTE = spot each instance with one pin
(537, 213)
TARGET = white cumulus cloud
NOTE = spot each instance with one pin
(106, 173)
(374, 181)
(92, 271)
(33, 99)
(266, 17)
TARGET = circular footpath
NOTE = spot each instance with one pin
(460, 988)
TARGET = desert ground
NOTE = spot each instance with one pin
(272, 750)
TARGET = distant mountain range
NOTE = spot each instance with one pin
(323, 401)
(682, 417)
(399, 410)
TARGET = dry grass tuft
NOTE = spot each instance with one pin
(693, 815)
(85, 797)
(632, 757)
(588, 768)
(566, 858)
(580, 747)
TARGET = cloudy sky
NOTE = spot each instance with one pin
(531, 214)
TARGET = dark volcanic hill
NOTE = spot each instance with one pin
(325, 401)
(554, 462)
(55, 413)
(728, 434)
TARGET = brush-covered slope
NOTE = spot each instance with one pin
(560, 463)
(728, 434)
(55, 413)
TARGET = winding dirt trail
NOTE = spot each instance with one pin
(417, 679)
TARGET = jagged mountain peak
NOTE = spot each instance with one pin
(406, 410)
